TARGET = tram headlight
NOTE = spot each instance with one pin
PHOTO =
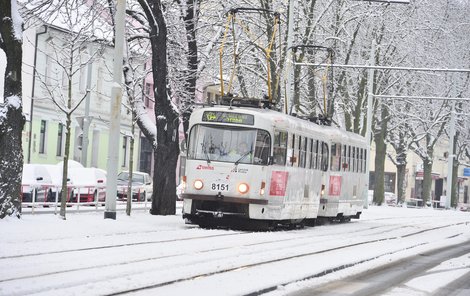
(183, 184)
(243, 188)
(198, 184)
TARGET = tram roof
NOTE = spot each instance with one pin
(268, 117)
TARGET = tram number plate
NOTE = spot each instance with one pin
(219, 187)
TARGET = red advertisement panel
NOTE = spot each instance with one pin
(335, 186)
(278, 183)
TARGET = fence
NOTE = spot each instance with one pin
(47, 196)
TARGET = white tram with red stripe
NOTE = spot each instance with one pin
(289, 171)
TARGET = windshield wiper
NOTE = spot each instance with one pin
(243, 156)
(208, 159)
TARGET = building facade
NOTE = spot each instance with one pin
(414, 176)
(44, 133)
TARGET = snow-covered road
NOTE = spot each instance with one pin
(149, 255)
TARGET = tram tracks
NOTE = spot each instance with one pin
(214, 236)
(286, 258)
(160, 241)
(91, 237)
(247, 247)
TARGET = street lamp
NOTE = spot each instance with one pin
(115, 115)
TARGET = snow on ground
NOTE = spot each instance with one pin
(87, 254)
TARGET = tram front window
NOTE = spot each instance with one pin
(229, 144)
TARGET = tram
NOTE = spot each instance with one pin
(254, 165)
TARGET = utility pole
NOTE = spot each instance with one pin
(450, 161)
(370, 95)
(115, 114)
(290, 62)
(86, 118)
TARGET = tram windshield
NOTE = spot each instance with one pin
(229, 144)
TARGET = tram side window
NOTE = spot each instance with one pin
(302, 151)
(354, 159)
(280, 148)
(315, 155)
(349, 158)
(345, 159)
(294, 155)
(358, 159)
(299, 152)
(324, 156)
(192, 147)
(335, 157)
(361, 169)
(308, 152)
(311, 154)
(263, 147)
(365, 160)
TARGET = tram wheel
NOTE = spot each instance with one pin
(345, 219)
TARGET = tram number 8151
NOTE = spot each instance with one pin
(219, 187)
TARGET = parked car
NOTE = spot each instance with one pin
(35, 183)
(71, 164)
(142, 186)
(88, 184)
(56, 175)
(389, 197)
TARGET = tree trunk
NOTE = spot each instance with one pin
(427, 180)
(11, 118)
(131, 169)
(312, 100)
(68, 125)
(401, 175)
(190, 26)
(167, 144)
(455, 181)
(65, 192)
(380, 154)
(296, 92)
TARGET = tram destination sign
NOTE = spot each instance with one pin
(228, 117)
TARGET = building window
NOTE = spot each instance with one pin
(60, 137)
(42, 138)
(124, 151)
(148, 88)
(146, 152)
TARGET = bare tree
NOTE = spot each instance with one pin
(11, 111)
(167, 118)
(399, 137)
(71, 48)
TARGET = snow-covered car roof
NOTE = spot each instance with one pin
(87, 176)
(137, 177)
(33, 171)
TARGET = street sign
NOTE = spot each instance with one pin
(466, 172)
